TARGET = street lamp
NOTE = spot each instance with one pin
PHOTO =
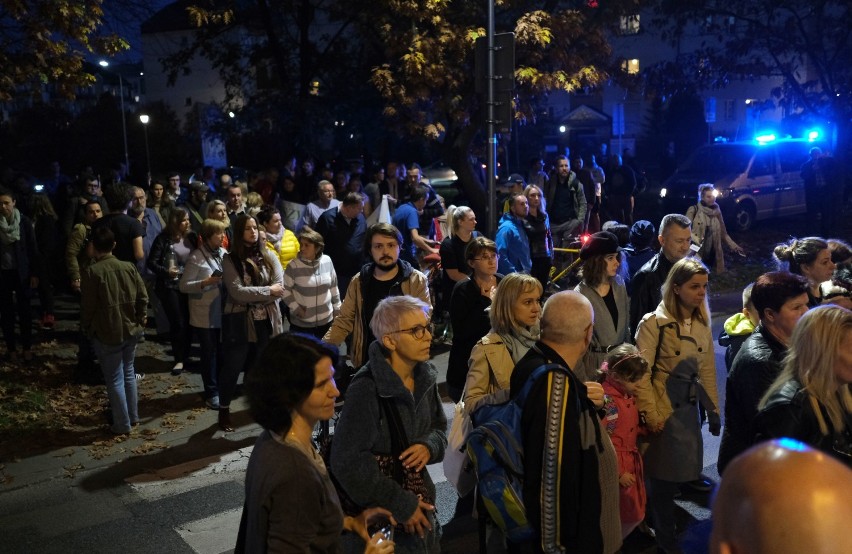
(145, 119)
(104, 63)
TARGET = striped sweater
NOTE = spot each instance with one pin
(311, 286)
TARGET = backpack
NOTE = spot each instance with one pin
(495, 447)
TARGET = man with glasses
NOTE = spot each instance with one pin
(385, 276)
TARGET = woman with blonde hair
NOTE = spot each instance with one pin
(810, 400)
(218, 210)
(541, 239)
(676, 341)
(515, 313)
(708, 229)
(810, 258)
(462, 225)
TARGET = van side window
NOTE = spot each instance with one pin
(764, 162)
(792, 155)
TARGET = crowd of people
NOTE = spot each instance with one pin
(608, 441)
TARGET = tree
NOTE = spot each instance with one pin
(805, 43)
(46, 41)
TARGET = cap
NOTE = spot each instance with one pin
(642, 233)
(516, 178)
(599, 244)
(198, 186)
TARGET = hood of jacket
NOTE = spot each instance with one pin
(738, 324)
(388, 383)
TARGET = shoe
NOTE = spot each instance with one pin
(701, 485)
(212, 402)
(225, 420)
(140, 376)
(177, 369)
(48, 321)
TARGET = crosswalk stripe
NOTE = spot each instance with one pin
(212, 535)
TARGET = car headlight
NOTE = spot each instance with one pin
(663, 192)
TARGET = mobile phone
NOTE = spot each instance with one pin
(217, 273)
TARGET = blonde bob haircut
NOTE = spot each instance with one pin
(508, 290)
(814, 349)
(210, 227)
(680, 273)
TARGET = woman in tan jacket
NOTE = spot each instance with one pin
(677, 343)
(515, 312)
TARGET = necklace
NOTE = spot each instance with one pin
(486, 286)
(308, 451)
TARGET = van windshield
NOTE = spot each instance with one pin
(719, 159)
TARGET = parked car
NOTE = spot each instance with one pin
(756, 181)
(443, 179)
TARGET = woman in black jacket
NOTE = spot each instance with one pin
(168, 256)
(810, 401)
(18, 274)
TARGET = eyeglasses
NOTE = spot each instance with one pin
(419, 331)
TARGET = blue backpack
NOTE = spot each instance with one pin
(495, 447)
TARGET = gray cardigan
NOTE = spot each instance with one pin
(606, 333)
(205, 303)
(363, 430)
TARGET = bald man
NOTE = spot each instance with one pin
(570, 468)
(782, 497)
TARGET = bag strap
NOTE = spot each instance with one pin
(521, 398)
(398, 436)
(660, 330)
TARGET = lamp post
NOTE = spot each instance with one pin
(145, 119)
(104, 63)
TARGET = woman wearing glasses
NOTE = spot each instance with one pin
(469, 309)
(398, 372)
(515, 313)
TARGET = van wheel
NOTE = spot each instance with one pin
(744, 216)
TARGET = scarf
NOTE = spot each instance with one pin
(10, 231)
(520, 342)
(708, 230)
(275, 239)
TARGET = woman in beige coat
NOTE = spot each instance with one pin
(677, 343)
(708, 229)
(515, 311)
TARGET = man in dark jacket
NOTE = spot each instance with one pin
(780, 298)
(343, 229)
(570, 467)
(566, 202)
(675, 237)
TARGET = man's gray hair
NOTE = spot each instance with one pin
(566, 317)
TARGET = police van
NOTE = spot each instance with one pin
(755, 180)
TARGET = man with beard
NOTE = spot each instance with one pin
(385, 276)
(566, 202)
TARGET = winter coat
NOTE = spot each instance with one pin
(489, 373)
(735, 331)
(363, 431)
(352, 319)
(513, 246)
(668, 393)
(607, 333)
(753, 372)
(240, 295)
(645, 286)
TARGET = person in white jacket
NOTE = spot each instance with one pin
(310, 287)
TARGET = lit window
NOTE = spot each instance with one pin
(629, 24)
(630, 66)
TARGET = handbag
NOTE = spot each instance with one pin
(457, 465)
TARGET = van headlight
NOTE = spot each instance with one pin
(663, 192)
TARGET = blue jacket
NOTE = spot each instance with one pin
(513, 246)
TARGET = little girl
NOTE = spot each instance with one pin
(621, 370)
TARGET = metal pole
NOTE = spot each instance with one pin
(123, 123)
(491, 166)
(147, 155)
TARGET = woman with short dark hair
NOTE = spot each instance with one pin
(291, 504)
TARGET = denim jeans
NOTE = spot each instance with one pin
(120, 377)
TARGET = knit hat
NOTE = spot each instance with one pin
(599, 244)
(642, 233)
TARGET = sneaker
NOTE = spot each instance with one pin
(212, 402)
(140, 376)
(177, 369)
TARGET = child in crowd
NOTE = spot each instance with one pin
(621, 370)
(738, 328)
